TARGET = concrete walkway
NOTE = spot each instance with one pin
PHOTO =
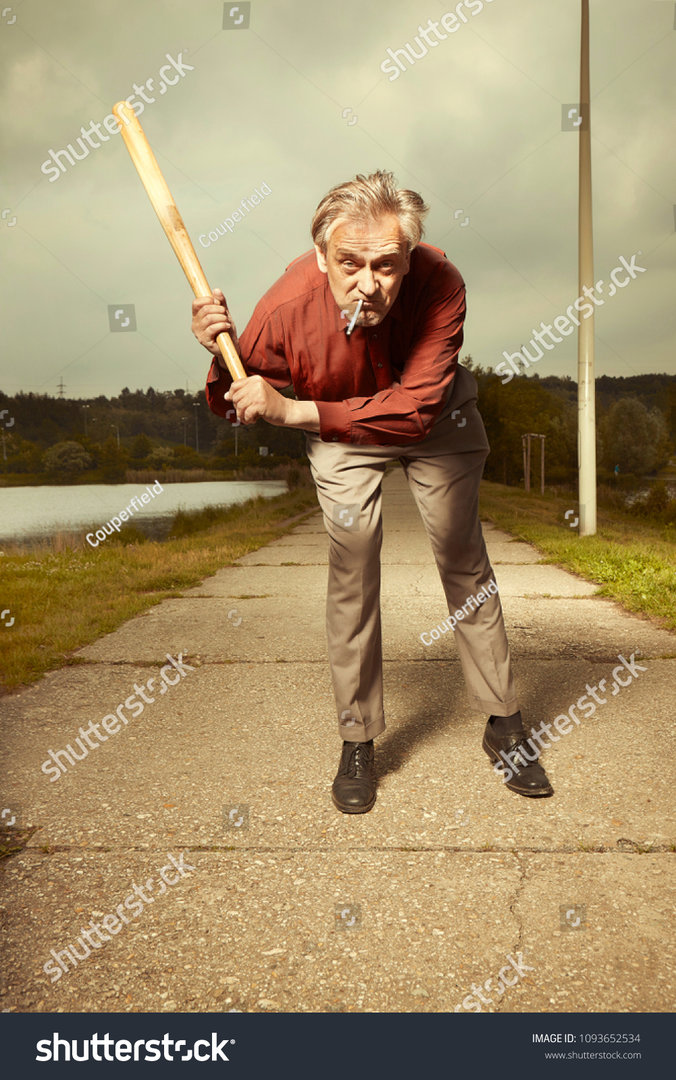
(291, 906)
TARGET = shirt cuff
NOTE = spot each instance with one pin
(219, 382)
(334, 421)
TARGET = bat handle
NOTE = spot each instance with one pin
(201, 287)
(230, 355)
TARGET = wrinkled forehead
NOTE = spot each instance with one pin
(379, 235)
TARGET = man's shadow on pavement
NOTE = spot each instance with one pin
(396, 747)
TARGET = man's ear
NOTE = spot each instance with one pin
(321, 260)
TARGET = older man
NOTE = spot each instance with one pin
(367, 329)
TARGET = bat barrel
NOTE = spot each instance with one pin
(171, 221)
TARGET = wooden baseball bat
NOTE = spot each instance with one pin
(171, 221)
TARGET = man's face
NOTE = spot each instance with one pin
(365, 260)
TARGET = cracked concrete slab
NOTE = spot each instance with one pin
(292, 906)
(290, 932)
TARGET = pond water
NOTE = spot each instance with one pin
(40, 512)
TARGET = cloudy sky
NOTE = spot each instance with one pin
(291, 95)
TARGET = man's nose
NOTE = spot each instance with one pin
(367, 282)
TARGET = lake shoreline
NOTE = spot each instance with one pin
(60, 600)
(276, 471)
(30, 515)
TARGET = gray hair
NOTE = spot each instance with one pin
(366, 198)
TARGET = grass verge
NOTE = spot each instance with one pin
(63, 600)
(633, 561)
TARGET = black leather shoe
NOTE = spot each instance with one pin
(522, 770)
(354, 789)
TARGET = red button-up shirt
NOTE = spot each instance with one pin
(381, 385)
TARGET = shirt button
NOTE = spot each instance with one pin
(380, 365)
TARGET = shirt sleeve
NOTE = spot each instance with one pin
(405, 411)
(262, 351)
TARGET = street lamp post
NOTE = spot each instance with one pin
(586, 400)
(525, 446)
(196, 405)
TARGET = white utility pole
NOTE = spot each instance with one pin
(586, 387)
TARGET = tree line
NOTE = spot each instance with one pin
(62, 439)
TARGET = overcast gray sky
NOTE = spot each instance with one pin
(297, 101)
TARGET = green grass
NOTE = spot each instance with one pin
(63, 600)
(632, 560)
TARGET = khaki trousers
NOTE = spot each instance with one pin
(443, 471)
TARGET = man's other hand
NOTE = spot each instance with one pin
(254, 399)
(210, 317)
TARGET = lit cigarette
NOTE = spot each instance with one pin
(355, 317)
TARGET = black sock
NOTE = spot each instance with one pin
(506, 725)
